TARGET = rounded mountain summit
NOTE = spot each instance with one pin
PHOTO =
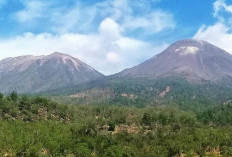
(31, 74)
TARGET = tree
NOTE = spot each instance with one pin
(13, 96)
(146, 119)
(111, 126)
(1, 96)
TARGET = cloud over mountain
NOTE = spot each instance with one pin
(106, 47)
(100, 33)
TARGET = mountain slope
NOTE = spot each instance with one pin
(189, 73)
(191, 59)
(31, 74)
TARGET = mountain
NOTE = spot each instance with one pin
(189, 59)
(187, 74)
(31, 74)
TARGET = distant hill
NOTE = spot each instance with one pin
(190, 59)
(31, 74)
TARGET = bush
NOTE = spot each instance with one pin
(111, 126)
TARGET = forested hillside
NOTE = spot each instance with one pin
(141, 92)
(35, 126)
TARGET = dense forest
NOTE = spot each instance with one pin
(36, 126)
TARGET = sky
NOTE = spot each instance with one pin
(110, 35)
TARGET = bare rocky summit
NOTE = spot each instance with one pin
(191, 59)
(31, 74)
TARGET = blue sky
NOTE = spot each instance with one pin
(110, 35)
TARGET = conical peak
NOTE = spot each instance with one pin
(190, 59)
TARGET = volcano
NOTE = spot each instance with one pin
(190, 59)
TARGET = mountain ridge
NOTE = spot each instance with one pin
(30, 74)
(193, 60)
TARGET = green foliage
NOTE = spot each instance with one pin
(13, 96)
(35, 126)
(142, 92)
(1, 95)
(147, 120)
(111, 126)
(14, 107)
(220, 115)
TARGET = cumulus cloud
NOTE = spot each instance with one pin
(107, 50)
(219, 33)
(110, 29)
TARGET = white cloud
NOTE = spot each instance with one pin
(223, 12)
(150, 20)
(79, 17)
(152, 23)
(94, 33)
(112, 57)
(219, 33)
(221, 5)
(107, 50)
(32, 11)
(110, 29)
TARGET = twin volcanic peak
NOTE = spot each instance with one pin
(191, 59)
(31, 74)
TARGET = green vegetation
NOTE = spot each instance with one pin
(29, 109)
(137, 92)
(35, 126)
